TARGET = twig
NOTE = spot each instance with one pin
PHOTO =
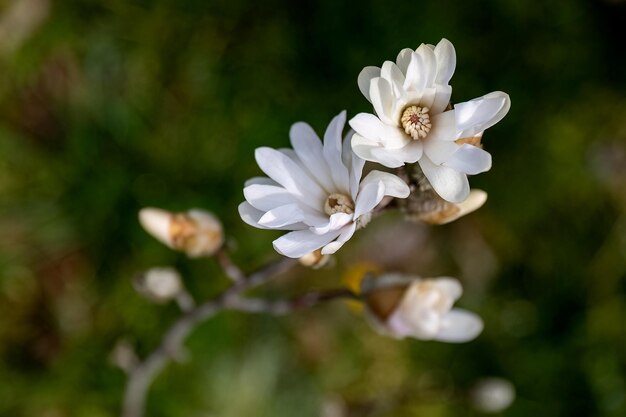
(231, 270)
(141, 377)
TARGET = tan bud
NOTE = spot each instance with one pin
(315, 259)
(196, 232)
(448, 212)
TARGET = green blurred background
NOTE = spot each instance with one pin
(107, 106)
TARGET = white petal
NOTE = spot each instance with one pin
(267, 197)
(403, 59)
(382, 100)
(429, 65)
(282, 216)
(345, 235)
(478, 114)
(335, 222)
(370, 194)
(365, 76)
(299, 243)
(414, 81)
(446, 61)
(441, 99)
(392, 73)
(260, 180)
(368, 126)
(394, 185)
(308, 147)
(353, 162)
(332, 153)
(444, 127)
(290, 175)
(450, 184)
(459, 326)
(470, 160)
(439, 151)
(387, 157)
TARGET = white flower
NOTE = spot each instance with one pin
(315, 191)
(196, 232)
(402, 307)
(411, 124)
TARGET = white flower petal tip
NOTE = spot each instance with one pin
(196, 232)
(159, 284)
(315, 192)
(446, 212)
(492, 395)
(406, 306)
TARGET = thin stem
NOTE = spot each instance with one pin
(231, 270)
(141, 377)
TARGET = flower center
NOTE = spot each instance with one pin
(416, 121)
(338, 203)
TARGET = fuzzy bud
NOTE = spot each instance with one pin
(159, 284)
(407, 306)
(196, 232)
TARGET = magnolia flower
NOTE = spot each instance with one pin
(315, 191)
(414, 123)
(196, 232)
(401, 307)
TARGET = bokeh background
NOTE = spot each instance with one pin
(107, 106)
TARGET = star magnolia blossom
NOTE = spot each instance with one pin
(420, 308)
(314, 190)
(410, 98)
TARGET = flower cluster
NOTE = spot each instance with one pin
(316, 190)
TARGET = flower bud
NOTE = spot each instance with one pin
(314, 259)
(448, 212)
(196, 232)
(159, 284)
(493, 395)
(406, 306)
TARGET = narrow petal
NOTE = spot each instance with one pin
(370, 194)
(450, 184)
(414, 81)
(299, 243)
(290, 175)
(332, 153)
(365, 76)
(267, 197)
(441, 99)
(429, 65)
(474, 116)
(382, 100)
(353, 162)
(470, 160)
(446, 61)
(459, 326)
(282, 216)
(307, 145)
(439, 151)
(368, 126)
(403, 59)
(260, 180)
(444, 127)
(335, 245)
(394, 186)
(393, 75)
(335, 222)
